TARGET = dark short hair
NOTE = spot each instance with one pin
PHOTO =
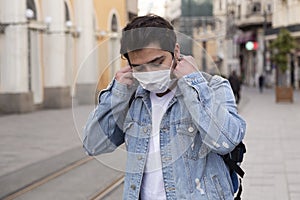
(144, 30)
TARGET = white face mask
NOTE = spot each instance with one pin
(155, 81)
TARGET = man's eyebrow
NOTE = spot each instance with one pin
(151, 61)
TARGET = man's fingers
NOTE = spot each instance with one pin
(126, 69)
(128, 82)
(125, 77)
(185, 65)
(128, 75)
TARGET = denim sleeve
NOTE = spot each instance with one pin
(214, 111)
(103, 130)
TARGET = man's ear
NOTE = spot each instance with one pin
(177, 51)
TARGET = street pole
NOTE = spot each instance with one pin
(29, 56)
(204, 56)
(264, 41)
(190, 28)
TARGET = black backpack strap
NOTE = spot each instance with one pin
(233, 166)
(234, 157)
(131, 99)
(238, 195)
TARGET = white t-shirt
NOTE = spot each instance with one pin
(153, 184)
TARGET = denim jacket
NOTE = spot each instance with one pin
(200, 124)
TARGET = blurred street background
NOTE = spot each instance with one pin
(55, 56)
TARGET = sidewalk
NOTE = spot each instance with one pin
(271, 163)
(29, 138)
(273, 155)
(34, 145)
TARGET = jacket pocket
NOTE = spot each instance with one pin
(128, 127)
(218, 187)
(135, 134)
(189, 140)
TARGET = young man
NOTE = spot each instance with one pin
(175, 123)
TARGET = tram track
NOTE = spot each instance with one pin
(47, 178)
(99, 195)
(109, 189)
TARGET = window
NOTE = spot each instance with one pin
(239, 12)
(31, 5)
(269, 8)
(256, 7)
(114, 24)
(67, 13)
(253, 8)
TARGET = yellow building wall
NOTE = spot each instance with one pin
(211, 49)
(210, 53)
(103, 10)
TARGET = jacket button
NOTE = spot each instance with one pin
(145, 129)
(140, 157)
(133, 187)
(190, 129)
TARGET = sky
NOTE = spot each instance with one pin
(155, 6)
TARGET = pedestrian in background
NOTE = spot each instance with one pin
(235, 83)
(175, 123)
(261, 82)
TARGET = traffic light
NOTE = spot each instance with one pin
(251, 45)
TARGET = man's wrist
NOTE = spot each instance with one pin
(192, 79)
(123, 90)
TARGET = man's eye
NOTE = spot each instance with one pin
(139, 68)
(157, 64)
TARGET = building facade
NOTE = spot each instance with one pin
(287, 12)
(245, 23)
(227, 49)
(53, 51)
(207, 34)
(252, 18)
(250, 28)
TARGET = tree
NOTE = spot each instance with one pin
(282, 47)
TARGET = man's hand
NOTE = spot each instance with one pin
(124, 76)
(185, 65)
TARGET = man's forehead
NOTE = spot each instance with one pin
(146, 55)
(151, 46)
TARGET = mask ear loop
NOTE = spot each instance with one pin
(180, 58)
(174, 64)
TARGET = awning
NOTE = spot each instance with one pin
(245, 37)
